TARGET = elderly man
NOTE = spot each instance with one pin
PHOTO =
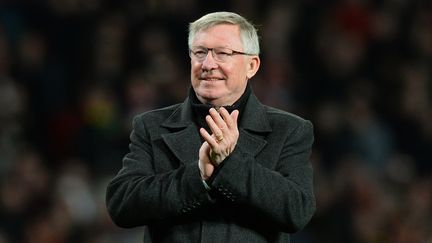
(219, 167)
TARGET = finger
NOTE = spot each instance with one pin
(217, 118)
(227, 118)
(235, 115)
(216, 130)
(208, 138)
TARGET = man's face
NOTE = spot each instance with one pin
(221, 83)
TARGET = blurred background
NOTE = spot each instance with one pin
(73, 73)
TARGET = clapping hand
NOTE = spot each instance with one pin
(218, 145)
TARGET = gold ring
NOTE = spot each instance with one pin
(219, 138)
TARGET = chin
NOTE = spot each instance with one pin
(209, 95)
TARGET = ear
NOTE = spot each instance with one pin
(253, 66)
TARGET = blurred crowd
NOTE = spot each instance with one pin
(73, 73)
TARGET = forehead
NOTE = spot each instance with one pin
(222, 35)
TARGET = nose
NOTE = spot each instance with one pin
(209, 62)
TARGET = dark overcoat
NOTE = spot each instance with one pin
(262, 192)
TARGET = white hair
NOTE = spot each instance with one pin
(248, 32)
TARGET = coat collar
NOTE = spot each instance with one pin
(184, 140)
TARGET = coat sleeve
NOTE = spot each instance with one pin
(284, 195)
(138, 196)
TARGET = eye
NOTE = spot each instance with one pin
(200, 53)
(222, 52)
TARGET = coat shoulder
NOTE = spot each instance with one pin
(157, 115)
(293, 127)
(284, 117)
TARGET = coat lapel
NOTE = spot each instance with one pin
(184, 141)
(184, 144)
(254, 125)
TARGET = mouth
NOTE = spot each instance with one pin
(211, 79)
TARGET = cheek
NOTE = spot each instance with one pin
(235, 73)
(194, 73)
(195, 68)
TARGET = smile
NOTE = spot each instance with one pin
(211, 79)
